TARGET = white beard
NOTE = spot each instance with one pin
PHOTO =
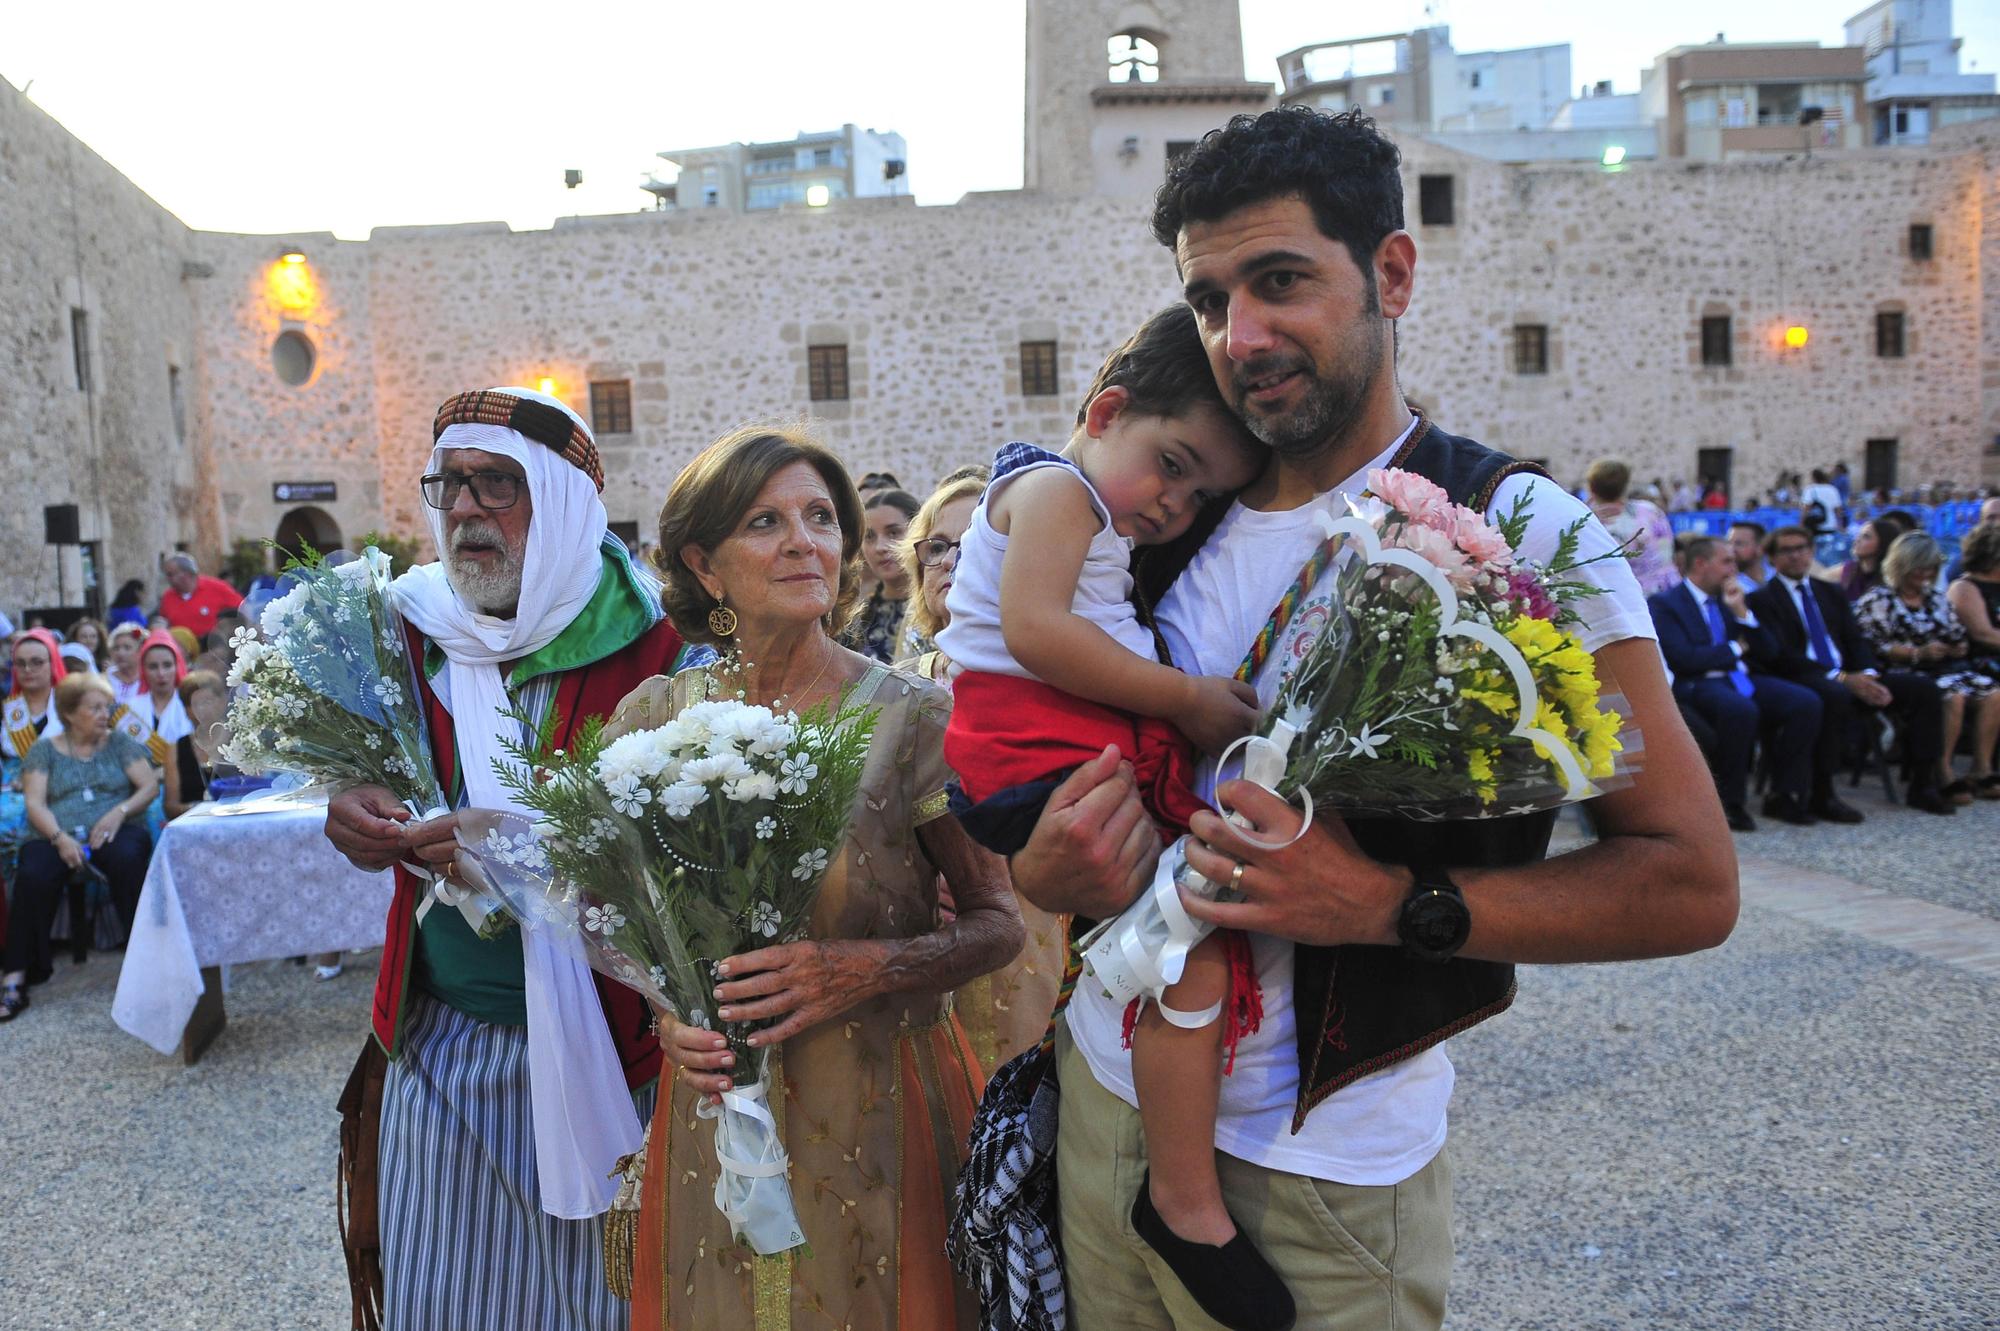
(491, 591)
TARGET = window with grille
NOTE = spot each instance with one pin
(826, 373)
(1531, 348)
(1038, 369)
(1434, 200)
(611, 406)
(1715, 348)
(1889, 334)
(1878, 471)
(1920, 242)
(177, 399)
(79, 336)
(1715, 464)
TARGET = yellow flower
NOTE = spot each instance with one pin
(1600, 741)
(1479, 766)
(1547, 718)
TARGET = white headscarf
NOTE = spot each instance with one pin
(583, 1116)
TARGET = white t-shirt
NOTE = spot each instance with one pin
(1827, 497)
(973, 638)
(1385, 1127)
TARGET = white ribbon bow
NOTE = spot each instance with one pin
(751, 1189)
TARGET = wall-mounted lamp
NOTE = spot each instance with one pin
(817, 196)
(1614, 155)
(546, 386)
(1128, 151)
(290, 282)
(1796, 336)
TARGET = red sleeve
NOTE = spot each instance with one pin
(222, 595)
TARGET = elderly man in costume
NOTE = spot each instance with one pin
(514, 1078)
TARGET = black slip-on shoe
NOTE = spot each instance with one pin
(1232, 1283)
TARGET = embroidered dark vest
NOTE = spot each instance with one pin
(590, 690)
(1363, 1008)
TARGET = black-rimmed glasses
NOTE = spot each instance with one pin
(934, 550)
(491, 490)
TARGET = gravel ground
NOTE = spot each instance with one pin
(1794, 1131)
(1898, 849)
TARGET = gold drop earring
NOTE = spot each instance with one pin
(722, 621)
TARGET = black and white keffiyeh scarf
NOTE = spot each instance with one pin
(1004, 1237)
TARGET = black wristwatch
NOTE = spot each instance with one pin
(1435, 921)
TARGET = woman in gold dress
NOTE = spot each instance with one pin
(875, 1083)
(1006, 1012)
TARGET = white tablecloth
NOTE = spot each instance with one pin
(231, 883)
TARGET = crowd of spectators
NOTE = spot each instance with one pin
(1789, 671)
(107, 735)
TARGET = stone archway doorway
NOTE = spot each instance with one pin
(307, 526)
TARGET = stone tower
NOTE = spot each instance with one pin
(1111, 84)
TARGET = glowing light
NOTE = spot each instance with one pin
(1796, 336)
(290, 284)
(546, 386)
(817, 195)
(1614, 156)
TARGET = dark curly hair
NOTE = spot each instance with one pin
(1343, 167)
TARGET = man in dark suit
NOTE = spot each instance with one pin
(1820, 647)
(1709, 636)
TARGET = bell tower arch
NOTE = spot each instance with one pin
(1102, 75)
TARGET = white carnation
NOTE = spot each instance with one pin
(679, 800)
(280, 612)
(709, 771)
(755, 786)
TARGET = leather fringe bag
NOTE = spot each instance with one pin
(356, 1200)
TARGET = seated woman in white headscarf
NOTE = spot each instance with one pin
(121, 654)
(515, 1079)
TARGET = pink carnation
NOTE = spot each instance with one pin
(1412, 495)
(1479, 538)
(1525, 590)
(1438, 548)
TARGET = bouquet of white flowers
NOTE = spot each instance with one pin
(664, 852)
(330, 688)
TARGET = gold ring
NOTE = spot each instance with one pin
(1236, 877)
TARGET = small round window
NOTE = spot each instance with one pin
(293, 357)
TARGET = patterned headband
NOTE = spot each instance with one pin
(535, 420)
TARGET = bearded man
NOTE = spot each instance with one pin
(1372, 943)
(514, 1078)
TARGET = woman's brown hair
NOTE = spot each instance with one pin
(710, 497)
(197, 680)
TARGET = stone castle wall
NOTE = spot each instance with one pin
(709, 317)
(1622, 266)
(75, 234)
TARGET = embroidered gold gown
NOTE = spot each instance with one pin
(876, 1103)
(1007, 1012)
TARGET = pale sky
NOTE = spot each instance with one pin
(256, 117)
